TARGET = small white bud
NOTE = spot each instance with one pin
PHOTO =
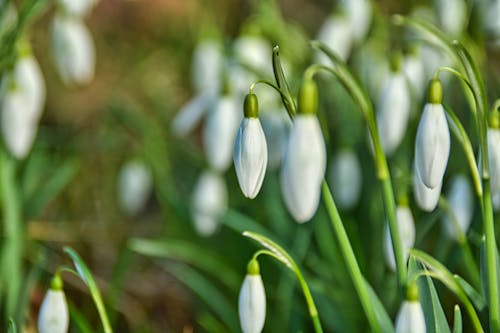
(250, 156)
(207, 65)
(209, 202)
(220, 131)
(461, 206)
(54, 314)
(345, 178)
(410, 318)
(452, 15)
(336, 34)
(303, 167)
(432, 145)
(393, 111)
(134, 187)
(73, 49)
(406, 229)
(252, 304)
(426, 198)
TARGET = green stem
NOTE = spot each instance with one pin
(350, 258)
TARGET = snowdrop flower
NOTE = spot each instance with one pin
(393, 110)
(250, 150)
(452, 15)
(54, 314)
(73, 49)
(410, 318)
(207, 66)
(78, 8)
(134, 187)
(336, 34)
(461, 206)
(359, 13)
(252, 300)
(414, 71)
(432, 144)
(492, 20)
(345, 178)
(190, 115)
(220, 131)
(275, 125)
(209, 202)
(305, 158)
(426, 198)
(406, 228)
(493, 142)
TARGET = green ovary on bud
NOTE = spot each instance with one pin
(251, 106)
(54, 315)
(253, 267)
(252, 300)
(308, 97)
(435, 92)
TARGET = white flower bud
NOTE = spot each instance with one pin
(250, 156)
(461, 206)
(393, 111)
(220, 131)
(345, 178)
(254, 52)
(410, 318)
(252, 304)
(73, 49)
(207, 65)
(359, 13)
(336, 34)
(414, 71)
(134, 187)
(493, 143)
(54, 314)
(30, 81)
(275, 125)
(432, 145)
(78, 8)
(303, 167)
(426, 198)
(406, 228)
(452, 15)
(209, 203)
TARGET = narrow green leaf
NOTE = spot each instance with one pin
(279, 75)
(88, 279)
(79, 320)
(435, 319)
(477, 299)
(12, 328)
(383, 318)
(457, 320)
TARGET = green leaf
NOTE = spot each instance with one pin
(381, 315)
(477, 299)
(457, 320)
(279, 75)
(240, 222)
(483, 263)
(12, 328)
(435, 319)
(88, 279)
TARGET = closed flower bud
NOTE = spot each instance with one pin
(220, 131)
(414, 71)
(493, 136)
(209, 202)
(406, 228)
(250, 151)
(207, 65)
(393, 111)
(73, 49)
(30, 81)
(345, 178)
(432, 145)
(426, 198)
(336, 34)
(410, 318)
(461, 206)
(134, 187)
(359, 13)
(252, 301)
(54, 315)
(452, 15)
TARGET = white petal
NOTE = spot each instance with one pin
(461, 205)
(494, 158)
(345, 178)
(275, 126)
(426, 198)
(252, 304)
(30, 82)
(54, 315)
(134, 187)
(393, 111)
(254, 52)
(452, 15)
(406, 228)
(303, 168)
(432, 145)
(190, 115)
(220, 131)
(336, 34)
(250, 156)
(207, 65)
(410, 318)
(73, 49)
(359, 13)
(209, 202)
(414, 71)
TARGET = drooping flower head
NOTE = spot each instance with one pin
(54, 314)
(252, 300)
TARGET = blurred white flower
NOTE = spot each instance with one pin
(220, 131)
(359, 13)
(275, 125)
(492, 21)
(393, 111)
(493, 143)
(73, 49)
(452, 15)
(410, 318)
(303, 167)
(250, 156)
(337, 35)
(252, 304)
(207, 67)
(426, 198)
(9, 16)
(54, 315)
(134, 187)
(432, 145)
(461, 205)
(209, 202)
(406, 229)
(345, 178)
(190, 115)
(414, 71)
(30, 80)
(78, 8)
